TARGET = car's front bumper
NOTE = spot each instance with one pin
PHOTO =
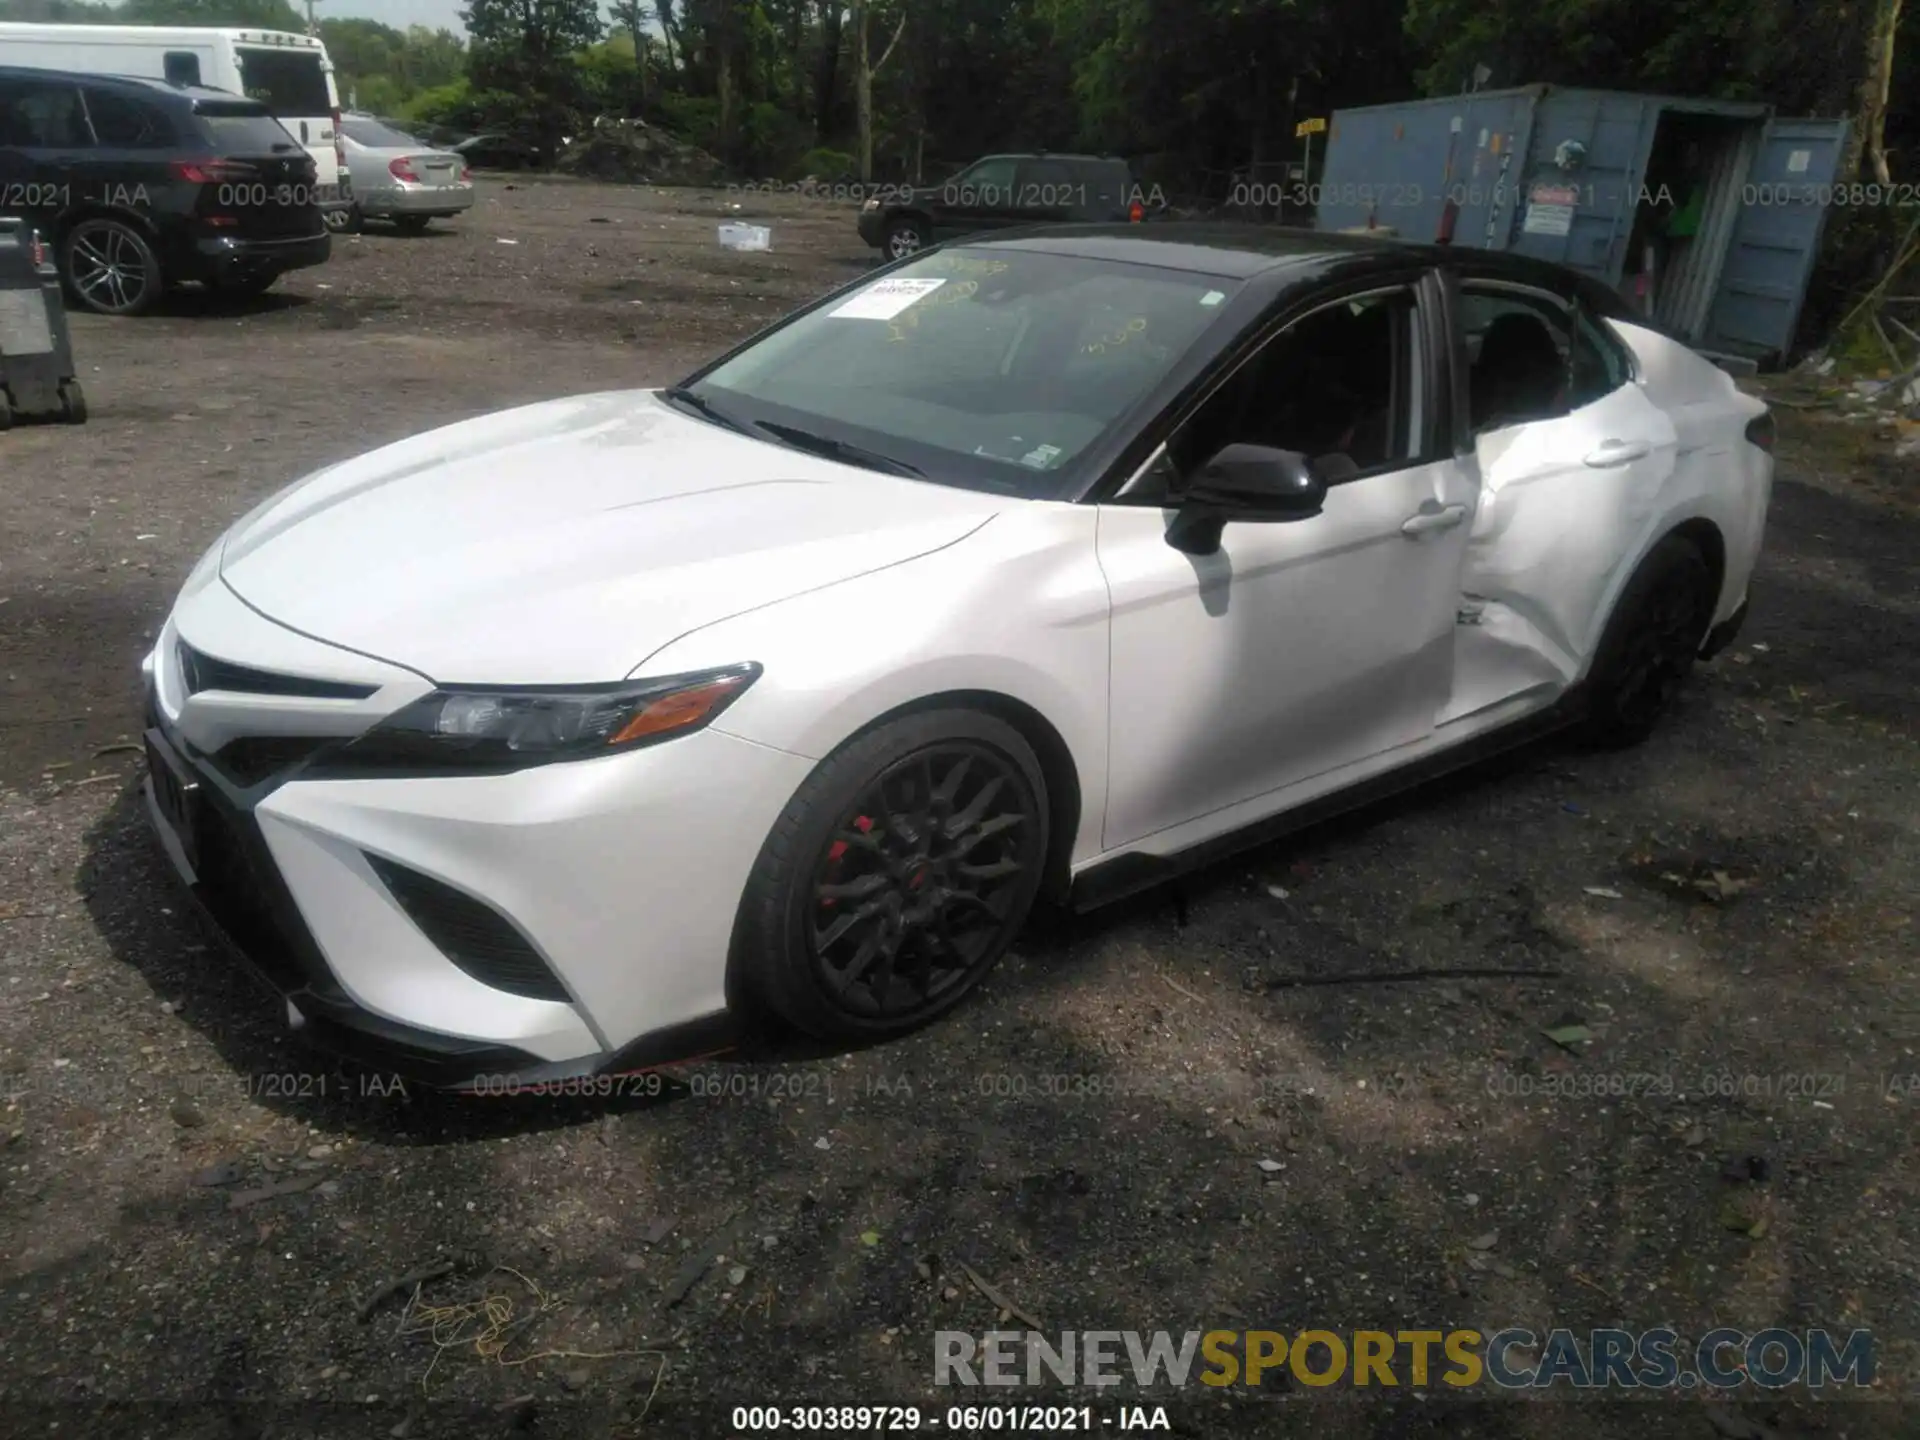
(872, 225)
(623, 874)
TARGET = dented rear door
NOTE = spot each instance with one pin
(1564, 508)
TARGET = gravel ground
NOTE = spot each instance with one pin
(1216, 1109)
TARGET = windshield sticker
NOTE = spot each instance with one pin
(1041, 456)
(1213, 297)
(886, 299)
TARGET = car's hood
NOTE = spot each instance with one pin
(565, 542)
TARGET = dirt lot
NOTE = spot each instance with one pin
(1728, 914)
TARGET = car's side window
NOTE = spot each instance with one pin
(182, 67)
(1342, 386)
(987, 182)
(1047, 184)
(126, 124)
(1532, 357)
(46, 117)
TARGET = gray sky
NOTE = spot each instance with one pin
(435, 14)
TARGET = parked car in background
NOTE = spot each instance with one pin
(551, 743)
(497, 152)
(140, 186)
(290, 74)
(1001, 191)
(398, 178)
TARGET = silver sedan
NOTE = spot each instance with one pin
(398, 178)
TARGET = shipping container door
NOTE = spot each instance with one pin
(1396, 166)
(1579, 216)
(1777, 237)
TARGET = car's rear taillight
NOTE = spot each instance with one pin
(37, 250)
(1760, 431)
(211, 172)
(402, 169)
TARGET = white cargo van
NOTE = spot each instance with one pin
(290, 74)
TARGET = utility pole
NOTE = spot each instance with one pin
(313, 27)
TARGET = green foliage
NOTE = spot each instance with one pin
(827, 164)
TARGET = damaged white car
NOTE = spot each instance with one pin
(550, 744)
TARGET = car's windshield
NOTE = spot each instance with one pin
(372, 133)
(981, 367)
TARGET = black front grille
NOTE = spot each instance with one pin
(255, 759)
(476, 937)
(247, 899)
(204, 672)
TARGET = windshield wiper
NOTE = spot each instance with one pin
(838, 449)
(680, 395)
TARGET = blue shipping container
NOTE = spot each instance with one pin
(1707, 214)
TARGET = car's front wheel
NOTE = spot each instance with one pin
(906, 236)
(896, 877)
(1650, 644)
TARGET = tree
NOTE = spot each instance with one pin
(1876, 85)
(631, 15)
(522, 51)
(867, 68)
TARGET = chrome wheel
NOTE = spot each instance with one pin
(905, 239)
(111, 268)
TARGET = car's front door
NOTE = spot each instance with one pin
(1572, 457)
(980, 197)
(1245, 680)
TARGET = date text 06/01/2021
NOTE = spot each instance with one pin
(954, 1420)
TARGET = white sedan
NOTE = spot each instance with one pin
(549, 744)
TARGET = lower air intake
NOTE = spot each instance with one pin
(473, 936)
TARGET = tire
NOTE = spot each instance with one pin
(6, 412)
(346, 222)
(1650, 645)
(73, 403)
(412, 224)
(911, 926)
(110, 268)
(905, 236)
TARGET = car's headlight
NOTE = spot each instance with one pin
(501, 728)
(873, 203)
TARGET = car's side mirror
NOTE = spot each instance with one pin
(1244, 482)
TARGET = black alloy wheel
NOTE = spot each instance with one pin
(1651, 644)
(900, 873)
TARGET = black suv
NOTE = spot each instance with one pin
(999, 192)
(139, 185)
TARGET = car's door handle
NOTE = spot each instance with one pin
(1443, 517)
(1619, 452)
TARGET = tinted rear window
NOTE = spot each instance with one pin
(287, 82)
(244, 130)
(373, 133)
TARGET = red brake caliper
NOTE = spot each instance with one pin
(837, 852)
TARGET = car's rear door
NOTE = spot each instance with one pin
(1569, 484)
(1047, 190)
(1246, 681)
(44, 149)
